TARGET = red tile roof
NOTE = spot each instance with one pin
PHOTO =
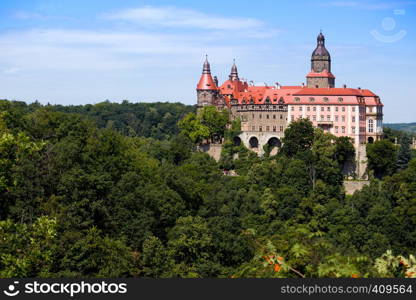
(324, 73)
(206, 83)
(335, 92)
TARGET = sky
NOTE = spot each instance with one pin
(78, 52)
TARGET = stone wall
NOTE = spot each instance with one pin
(354, 185)
(213, 150)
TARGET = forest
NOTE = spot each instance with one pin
(120, 190)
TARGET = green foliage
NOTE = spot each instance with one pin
(381, 158)
(111, 190)
(27, 251)
(298, 137)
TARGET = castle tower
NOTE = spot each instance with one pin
(207, 90)
(320, 75)
(234, 73)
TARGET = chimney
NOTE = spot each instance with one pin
(303, 84)
(278, 85)
(344, 86)
(359, 88)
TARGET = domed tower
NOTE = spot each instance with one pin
(320, 75)
(234, 73)
(207, 90)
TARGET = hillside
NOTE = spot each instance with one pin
(409, 127)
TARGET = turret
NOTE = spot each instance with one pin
(320, 75)
(234, 73)
(207, 90)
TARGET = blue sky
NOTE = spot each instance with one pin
(77, 52)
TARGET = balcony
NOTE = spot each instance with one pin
(323, 122)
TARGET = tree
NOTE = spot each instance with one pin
(214, 120)
(298, 137)
(28, 251)
(381, 158)
(344, 150)
(404, 154)
(192, 127)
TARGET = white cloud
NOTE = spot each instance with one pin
(368, 5)
(50, 49)
(176, 17)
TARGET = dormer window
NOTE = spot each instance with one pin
(326, 99)
(281, 101)
(340, 99)
(267, 100)
(252, 101)
(297, 99)
(311, 99)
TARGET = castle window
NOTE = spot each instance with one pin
(322, 108)
(326, 99)
(267, 116)
(267, 128)
(336, 108)
(340, 99)
(253, 116)
(370, 126)
(260, 128)
(308, 117)
(322, 118)
(293, 108)
(328, 108)
(274, 116)
(274, 128)
(336, 118)
(260, 116)
(343, 118)
(229, 86)
(336, 129)
(314, 108)
(343, 129)
(314, 117)
(308, 108)
(353, 119)
(292, 118)
(328, 118)
(311, 99)
(353, 129)
(353, 109)
(281, 117)
(297, 99)
(281, 128)
(300, 108)
(343, 108)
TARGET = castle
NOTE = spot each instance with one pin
(265, 111)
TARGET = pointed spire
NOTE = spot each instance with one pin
(234, 72)
(206, 82)
(207, 67)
